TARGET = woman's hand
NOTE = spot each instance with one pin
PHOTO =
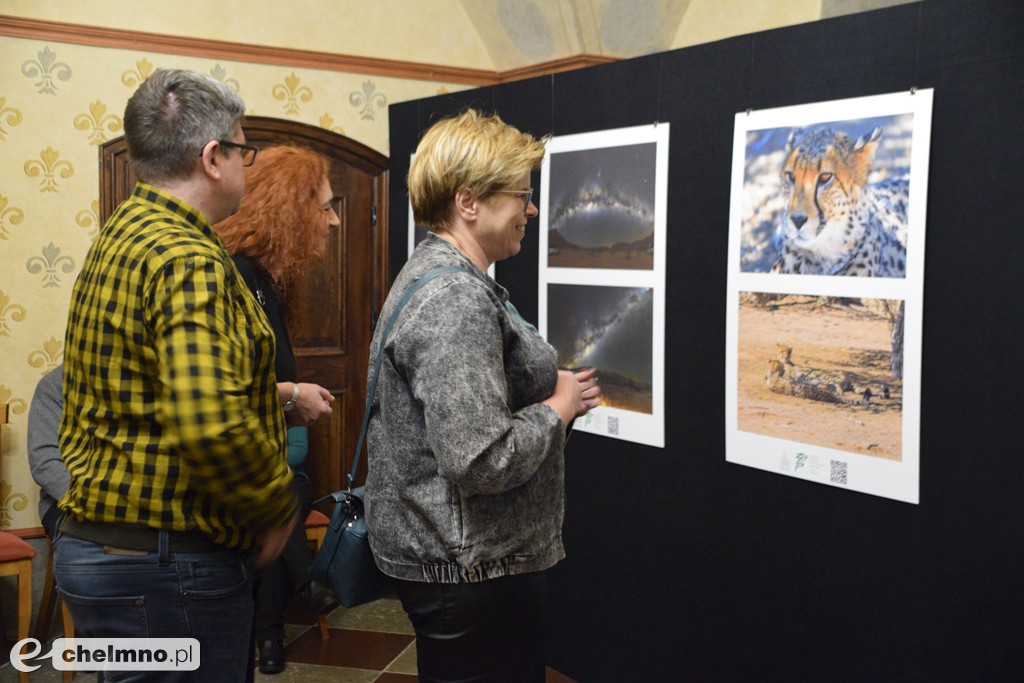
(313, 402)
(589, 389)
(575, 394)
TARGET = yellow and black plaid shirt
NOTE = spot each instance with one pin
(172, 417)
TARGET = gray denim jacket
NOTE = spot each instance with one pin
(466, 472)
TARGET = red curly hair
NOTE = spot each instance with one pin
(280, 223)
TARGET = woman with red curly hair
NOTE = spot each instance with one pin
(283, 221)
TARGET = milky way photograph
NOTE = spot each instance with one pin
(602, 208)
(601, 271)
(608, 328)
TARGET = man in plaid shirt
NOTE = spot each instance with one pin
(172, 430)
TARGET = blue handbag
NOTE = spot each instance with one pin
(345, 562)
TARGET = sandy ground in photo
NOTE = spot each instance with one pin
(851, 338)
(622, 259)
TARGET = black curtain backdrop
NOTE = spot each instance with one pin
(682, 566)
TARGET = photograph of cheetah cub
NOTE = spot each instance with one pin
(840, 380)
(818, 374)
(777, 380)
(834, 222)
(818, 384)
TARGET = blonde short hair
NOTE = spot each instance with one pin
(482, 153)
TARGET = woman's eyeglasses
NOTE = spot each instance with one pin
(526, 194)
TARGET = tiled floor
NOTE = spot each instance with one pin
(372, 642)
(369, 643)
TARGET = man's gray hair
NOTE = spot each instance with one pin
(171, 116)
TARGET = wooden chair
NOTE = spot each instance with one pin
(316, 528)
(16, 560)
(46, 605)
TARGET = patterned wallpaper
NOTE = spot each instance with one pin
(58, 103)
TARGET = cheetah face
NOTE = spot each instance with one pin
(822, 179)
(817, 205)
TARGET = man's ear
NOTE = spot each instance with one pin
(466, 204)
(210, 161)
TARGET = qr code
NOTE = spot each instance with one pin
(613, 425)
(838, 472)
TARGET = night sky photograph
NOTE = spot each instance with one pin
(609, 328)
(602, 208)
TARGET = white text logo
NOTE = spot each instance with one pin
(111, 654)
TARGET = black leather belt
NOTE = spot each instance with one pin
(138, 537)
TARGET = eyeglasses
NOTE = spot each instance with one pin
(248, 151)
(526, 194)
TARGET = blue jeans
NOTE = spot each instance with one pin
(206, 596)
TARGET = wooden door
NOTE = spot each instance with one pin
(341, 295)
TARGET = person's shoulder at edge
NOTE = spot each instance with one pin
(51, 384)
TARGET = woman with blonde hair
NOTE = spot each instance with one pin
(284, 221)
(465, 495)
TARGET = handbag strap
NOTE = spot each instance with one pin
(372, 389)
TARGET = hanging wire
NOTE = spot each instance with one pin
(917, 48)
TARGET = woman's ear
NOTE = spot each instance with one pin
(466, 204)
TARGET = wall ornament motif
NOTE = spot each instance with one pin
(291, 93)
(220, 73)
(11, 115)
(9, 311)
(17, 406)
(143, 68)
(367, 99)
(46, 68)
(96, 120)
(90, 218)
(49, 356)
(50, 166)
(327, 122)
(9, 215)
(10, 500)
(48, 264)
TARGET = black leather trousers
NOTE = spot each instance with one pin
(489, 631)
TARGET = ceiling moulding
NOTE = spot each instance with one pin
(552, 67)
(78, 34)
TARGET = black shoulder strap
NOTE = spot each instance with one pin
(372, 389)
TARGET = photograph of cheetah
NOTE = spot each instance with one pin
(825, 291)
(818, 371)
(828, 199)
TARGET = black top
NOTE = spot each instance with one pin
(268, 296)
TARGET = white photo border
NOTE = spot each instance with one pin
(894, 479)
(643, 428)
